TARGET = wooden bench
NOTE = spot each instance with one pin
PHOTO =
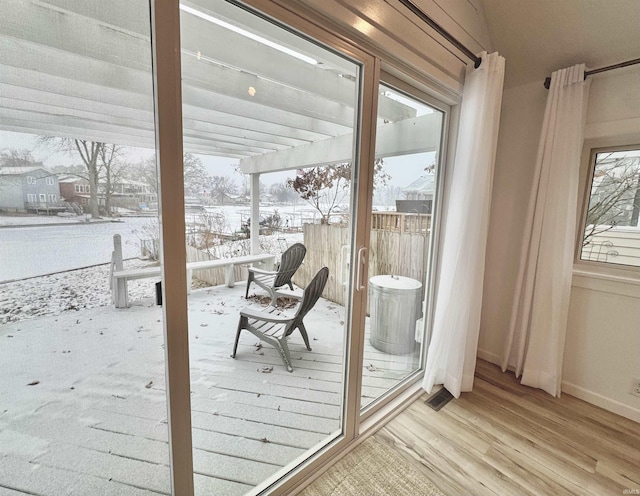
(120, 276)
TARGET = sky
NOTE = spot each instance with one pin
(403, 170)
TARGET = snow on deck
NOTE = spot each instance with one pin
(83, 408)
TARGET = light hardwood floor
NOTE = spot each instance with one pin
(507, 439)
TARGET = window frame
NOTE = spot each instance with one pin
(581, 266)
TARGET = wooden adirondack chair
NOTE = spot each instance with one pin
(271, 281)
(274, 327)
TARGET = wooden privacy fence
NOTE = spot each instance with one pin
(392, 252)
(401, 222)
(399, 244)
(216, 276)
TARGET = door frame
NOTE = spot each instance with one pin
(165, 39)
(165, 20)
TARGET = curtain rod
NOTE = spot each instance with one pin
(547, 81)
(424, 17)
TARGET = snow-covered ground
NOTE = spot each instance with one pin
(75, 262)
(68, 291)
(50, 265)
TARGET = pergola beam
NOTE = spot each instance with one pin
(24, 98)
(241, 98)
(420, 134)
(224, 65)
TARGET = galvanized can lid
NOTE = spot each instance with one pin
(395, 282)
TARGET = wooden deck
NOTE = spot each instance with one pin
(95, 423)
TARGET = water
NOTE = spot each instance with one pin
(35, 250)
(38, 250)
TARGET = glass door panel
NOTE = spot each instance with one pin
(269, 121)
(404, 196)
(82, 363)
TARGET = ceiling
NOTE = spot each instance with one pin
(82, 69)
(537, 37)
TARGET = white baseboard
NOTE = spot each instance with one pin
(602, 401)
(488, 356)
(579, 392)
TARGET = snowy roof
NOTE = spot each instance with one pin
(424, 184)
(130, 182)
(70, 178)
(18, 171)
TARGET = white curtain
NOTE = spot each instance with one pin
(535, 343)
(451, 357)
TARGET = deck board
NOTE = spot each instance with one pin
(266, 401)
(100, 426)
(43, 480)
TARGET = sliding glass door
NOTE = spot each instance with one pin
(82, 361)
(214, 323)
(405, 199)
(269, 139)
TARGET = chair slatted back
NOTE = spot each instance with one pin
(313, 292)
(289, 263)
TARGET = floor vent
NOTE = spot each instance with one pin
(440, 399)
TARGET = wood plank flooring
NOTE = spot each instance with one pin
(507, 439)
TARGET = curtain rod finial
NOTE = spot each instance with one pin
(547, 82)
(477, 62)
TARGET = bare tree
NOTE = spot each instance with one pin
(18, 158)
(615, 195)
(195, 174)
(89, 152)
(222, 187)
(111, 169)
(325, 187)
(146, 172)
(282, 193)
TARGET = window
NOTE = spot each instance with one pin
(612, 220)
(50, 181)
(43, 197)
(31, 180)
(52, 198)
(31, 197)
(77, 188)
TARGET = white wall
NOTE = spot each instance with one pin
(520, 124)
(602, 352)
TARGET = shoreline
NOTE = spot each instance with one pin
(73, 222)
(8, 281)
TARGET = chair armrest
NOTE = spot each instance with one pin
(254, 313)
(296, 294)
(262, 271)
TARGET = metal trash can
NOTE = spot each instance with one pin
(394, 308)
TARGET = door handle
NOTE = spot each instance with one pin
(360, 268)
